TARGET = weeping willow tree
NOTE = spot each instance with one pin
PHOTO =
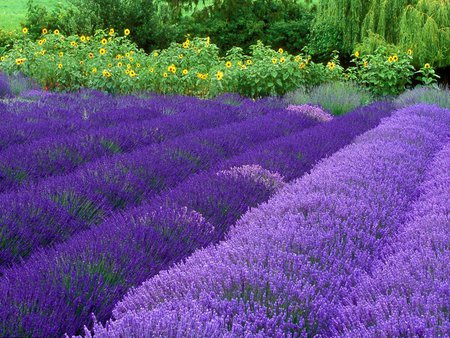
(425, 28)
(344, 17)
(422, 25)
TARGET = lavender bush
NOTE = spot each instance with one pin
(408, 290)
(286, 266)
(137, 245)
(431, 95)
(5, 89)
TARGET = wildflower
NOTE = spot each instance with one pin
(395, 58)
(126, 32)
(219, 75)
(56, 32)
(102, 51)
(282, 60)
(249, 62)
(165, 75)
(44, 31)
(409, 51)
(331, 65)
(91, 55)
(228, 64)
(357, 54)
(104, 41)
(280, 50)
(390, 59)
(185, 72)
(60, 65)
(25, 30)
(83, 38)
(427, 66)
(274, 61)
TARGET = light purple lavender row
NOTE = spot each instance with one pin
(143, 241)
(407, 293)
(286, 266)
(61, 154)
(56, 208)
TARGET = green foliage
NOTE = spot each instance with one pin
(383, 72)
(112, 63)
(337, 97)
(422, 25)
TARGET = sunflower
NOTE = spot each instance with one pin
(110, 65)
(104, 41)
(357, 54)
(180, 56)
(390, 59)
(185, 72)
(395, 58)
(274, 61)
(249, 62)
(219, 75)
(282, 60)
(73, 44)
(44, 31)
(165, 75)
(331, 65)
(302, 65)
(119, 64)
(151, 69)
(118, 57)
(60, 65)
(127, 54)
(91, 55)
(111, 32)
(83, 38)
(138, 65)
(102, 51)
(366, 63)
(280, 50)
(155, 54)
(94, 70)
(56, 32)
(19, 61)
(427, 66)
(409, 51)
(40, 42)
(228, 64)
(126, 32)
(81, 62)
(297, 58)
(25, 30)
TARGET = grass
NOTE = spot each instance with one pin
(12, 12)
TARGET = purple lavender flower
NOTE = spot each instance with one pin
(286, 266)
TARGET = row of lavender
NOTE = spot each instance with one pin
(358, 247)
(95, 268)
(54, 209)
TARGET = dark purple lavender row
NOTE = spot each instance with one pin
(126, 250)
(61, 154)
(62, 114)
(286, 266)
(58, 207)
(407, 294)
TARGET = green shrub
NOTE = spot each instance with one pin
(431, 95)
(337, 97)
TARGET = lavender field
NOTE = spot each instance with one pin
(172, 216)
